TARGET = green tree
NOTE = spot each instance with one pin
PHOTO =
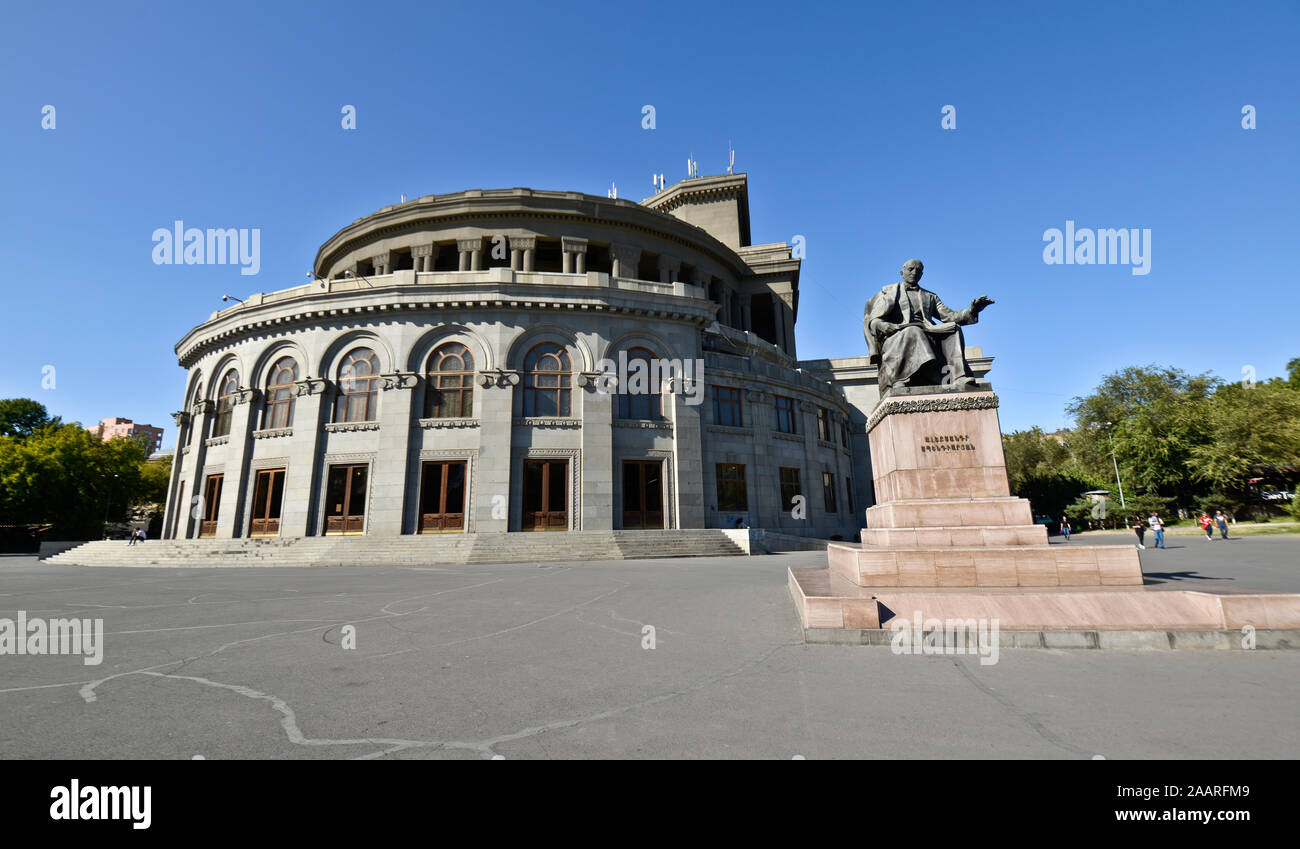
(23, 417)
(67, 477)
(1249, 427)
(1154, 418)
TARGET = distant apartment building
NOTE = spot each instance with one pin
(108, 428)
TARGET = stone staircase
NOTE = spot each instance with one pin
(407, 550)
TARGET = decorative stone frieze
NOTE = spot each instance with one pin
(933, 404)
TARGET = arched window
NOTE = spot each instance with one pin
(546, 381)
(226, 396)
(358, 387)
(640, 398)
(449, 393)
(279, 393)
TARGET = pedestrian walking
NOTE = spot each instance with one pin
(1207, 525)
(1065, 527)
(1222, 521)
(1158, 526)
(1140, 528)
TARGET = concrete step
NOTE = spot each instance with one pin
(406, 550)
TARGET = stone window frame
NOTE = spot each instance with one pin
(787, 415)
(227, 398)
(346, 388)
(729, 485)
(787, 498)
(828, 492)
(734, 403)
(279, 395)
(563, 388)
(624, 408)
(434, 375)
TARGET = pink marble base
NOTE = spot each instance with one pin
(986, 566)
(825, 600)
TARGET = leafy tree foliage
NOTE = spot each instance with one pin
(23, 417)
(65, 476)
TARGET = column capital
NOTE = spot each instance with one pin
(474, 244)
(202, 407)
(400, 380)
(309, 386)
(523, 243)
(498, 377)
(628, 254)
(181, 418)
(572, 244)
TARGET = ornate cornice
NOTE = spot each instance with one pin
(643, 424)
(436, 423)
(272, 433)
(345, 427)
(537, 421)
(932, 404)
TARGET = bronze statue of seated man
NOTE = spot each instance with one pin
(899, 324)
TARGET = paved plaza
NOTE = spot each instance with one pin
(547, 661)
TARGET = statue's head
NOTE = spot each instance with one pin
(912, 271)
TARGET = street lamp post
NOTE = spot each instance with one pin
(108, 501)
(1115, 462)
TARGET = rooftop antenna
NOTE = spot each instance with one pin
(658, 180)
(403, 197)
(692, 167)
(731, 154)
(613, 190)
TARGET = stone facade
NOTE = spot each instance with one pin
(320, 409)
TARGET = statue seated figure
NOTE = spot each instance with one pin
(899, 324)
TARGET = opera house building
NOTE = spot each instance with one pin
(522, 360)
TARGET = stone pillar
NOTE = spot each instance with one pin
(239, 450)
(424, 256)
(383, 262)
(625, 260)
(471, 253)
(176, 499)
(575, 255)
(806, 421)
(491, 468)
(787, 322)
(597, 414)
(521, 252)
(762, 480)
(744, 315)
(389, 487)
(192, 469)
(296, 511)
(688, 451)
(669, 268)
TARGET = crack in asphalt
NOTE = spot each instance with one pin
(1041, 729)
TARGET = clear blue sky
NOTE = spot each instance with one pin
(228, 115)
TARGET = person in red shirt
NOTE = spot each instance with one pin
(1206, 524)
